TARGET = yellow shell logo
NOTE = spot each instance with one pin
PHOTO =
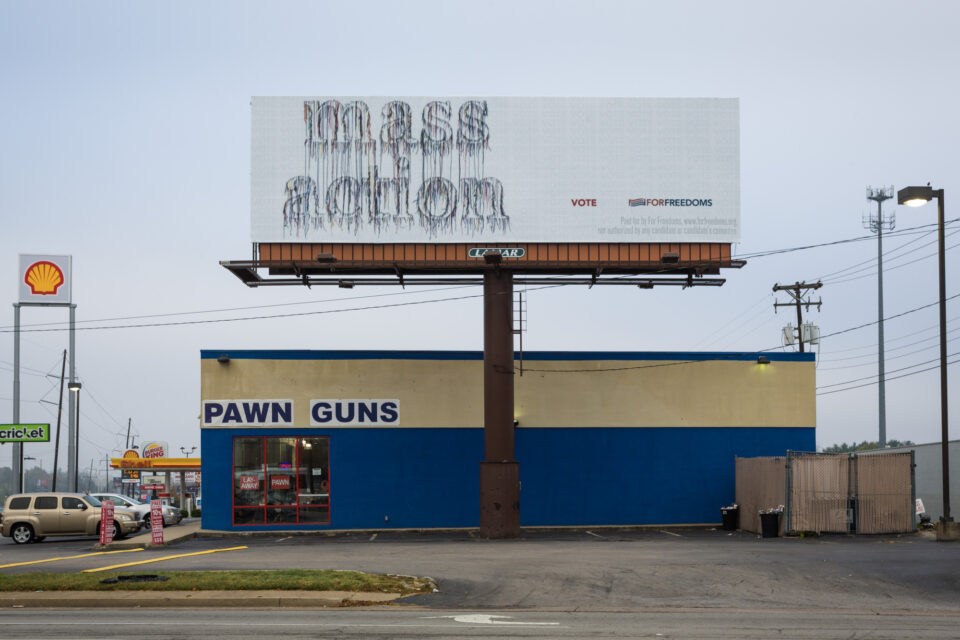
(43, 278)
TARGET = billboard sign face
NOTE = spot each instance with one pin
(492, 170)
(45, 279)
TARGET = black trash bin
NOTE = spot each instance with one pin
(731, 518)
(770, 524)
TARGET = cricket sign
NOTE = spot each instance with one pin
(382, 170)
(24, 433)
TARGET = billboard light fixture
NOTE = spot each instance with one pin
(492, 257)
(670, 257)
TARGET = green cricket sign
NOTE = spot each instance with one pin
(24, 433)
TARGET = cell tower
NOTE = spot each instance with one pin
(878, 223)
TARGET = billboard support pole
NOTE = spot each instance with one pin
(17, 446)
(499, 472)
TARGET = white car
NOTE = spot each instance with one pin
(171, 515)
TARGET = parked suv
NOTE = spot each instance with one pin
(31, 517)
(171, 515)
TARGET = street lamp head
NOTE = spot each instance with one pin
(74, 386)
(915, 196)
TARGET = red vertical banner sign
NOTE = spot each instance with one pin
(156, 521)
(106, 522)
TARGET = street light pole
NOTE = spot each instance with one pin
(75, 386)
(915, 197)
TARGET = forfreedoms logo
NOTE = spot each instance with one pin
(670, 202)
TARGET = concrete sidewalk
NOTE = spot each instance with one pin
(172, 534)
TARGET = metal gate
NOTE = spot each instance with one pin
(830, 493)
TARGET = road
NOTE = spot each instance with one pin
(389, 623)
(631, 584)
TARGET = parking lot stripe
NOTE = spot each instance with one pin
(84, 555)
(179, 555)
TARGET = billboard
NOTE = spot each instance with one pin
(45, 279)
(468, 170)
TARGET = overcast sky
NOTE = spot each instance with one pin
(125, 142)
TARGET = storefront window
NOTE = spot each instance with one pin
(281, 481)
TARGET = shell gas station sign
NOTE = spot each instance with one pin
(45, 279)
(132, 460)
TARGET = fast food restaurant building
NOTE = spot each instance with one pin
(366, 440)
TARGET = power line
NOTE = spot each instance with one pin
(224, 310)
(873, 261)
(871, 264)
(894, 268)
(264, 317)
(868, 384)
(913, 366)
(763, 254)
(870, 324)
(902, 355)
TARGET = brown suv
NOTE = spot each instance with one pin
(30, 517)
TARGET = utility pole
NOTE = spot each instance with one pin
(797, 292)
(877, 224)
(56, 445)
(125, 489)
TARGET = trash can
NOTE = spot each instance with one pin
(731, 518)
(770, 524)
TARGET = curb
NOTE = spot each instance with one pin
(192, 599)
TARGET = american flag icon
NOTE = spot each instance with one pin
(638, 202)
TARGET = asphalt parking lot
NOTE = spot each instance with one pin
(587, 570)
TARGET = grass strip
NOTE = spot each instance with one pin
(282, 580)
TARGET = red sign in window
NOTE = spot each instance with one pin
(279, 482)
(249, 483)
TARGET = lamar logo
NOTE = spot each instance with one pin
(43, 278)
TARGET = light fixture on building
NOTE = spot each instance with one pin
(763, 360)
(223, 359)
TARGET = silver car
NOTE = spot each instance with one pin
(171, 515)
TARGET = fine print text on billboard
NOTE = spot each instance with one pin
(453, 170)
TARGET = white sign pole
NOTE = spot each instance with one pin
(17, 447)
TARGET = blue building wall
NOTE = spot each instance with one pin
(423, 478)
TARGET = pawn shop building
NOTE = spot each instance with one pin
(348, 440)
